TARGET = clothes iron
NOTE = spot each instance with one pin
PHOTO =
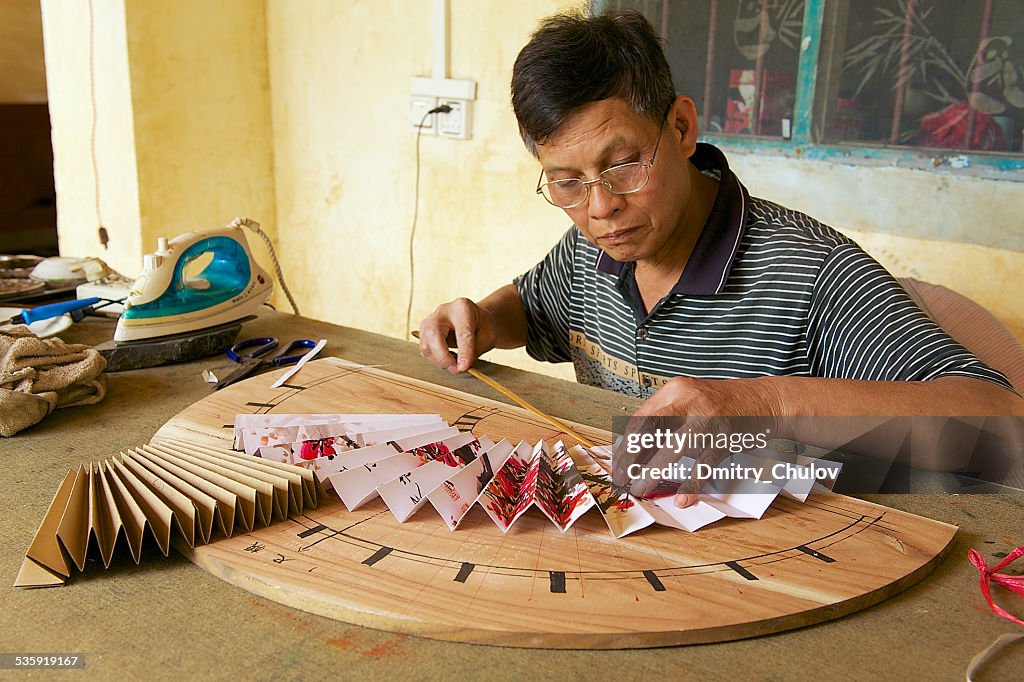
(198, 280)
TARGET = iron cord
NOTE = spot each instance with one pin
(255, 227)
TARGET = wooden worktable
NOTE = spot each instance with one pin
(168, 619)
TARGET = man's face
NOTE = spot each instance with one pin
(641, 226)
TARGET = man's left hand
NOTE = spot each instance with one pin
(707, 405)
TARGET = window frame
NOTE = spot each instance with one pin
(1003, 166)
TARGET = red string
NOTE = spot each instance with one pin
(1014, 583)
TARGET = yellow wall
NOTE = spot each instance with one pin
(68, 77)
(182, 121)
(345, 160)
(201, 100)
(296, 114)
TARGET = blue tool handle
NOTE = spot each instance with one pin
(282, 357)
(45, 312)
(261, 345)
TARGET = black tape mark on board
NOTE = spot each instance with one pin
(557, 581)
(742, 571)
(464, 572)
(654, 581)
(377, 556)
(312, 531)
(468, 421)
(816, 554)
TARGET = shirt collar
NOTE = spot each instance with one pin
(711, 261)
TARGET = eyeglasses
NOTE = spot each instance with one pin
(624, 178)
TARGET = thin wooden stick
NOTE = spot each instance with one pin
(526, 405)
(520, 401)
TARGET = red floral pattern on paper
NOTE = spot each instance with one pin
(504, 490)
(528, 488)
(608, 495)
(325, 447)
(561, 489)
(457, 458)
(311, 449)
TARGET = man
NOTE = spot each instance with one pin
(675, 285)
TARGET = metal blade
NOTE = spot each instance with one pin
(244, 369)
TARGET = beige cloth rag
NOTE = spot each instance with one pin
(39, 375)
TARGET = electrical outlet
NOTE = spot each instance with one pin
(457, 122)
(419, 105)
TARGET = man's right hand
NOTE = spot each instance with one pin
(460, 324)
(497, 321)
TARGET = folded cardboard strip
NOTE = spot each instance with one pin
(170, 490)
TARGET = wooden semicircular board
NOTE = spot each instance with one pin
(535, 587)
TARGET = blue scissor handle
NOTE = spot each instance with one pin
(282, 356)
(260, 346)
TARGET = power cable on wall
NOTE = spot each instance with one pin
(442, 109)
(102, 234)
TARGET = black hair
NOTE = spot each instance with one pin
(574, 58)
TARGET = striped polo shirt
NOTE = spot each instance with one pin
(766, 292)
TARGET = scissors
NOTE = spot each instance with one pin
(255, 354)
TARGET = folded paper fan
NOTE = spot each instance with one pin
(411, 459)
(176, 491)
(167, 490)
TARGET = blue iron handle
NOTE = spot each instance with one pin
(45, 312)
